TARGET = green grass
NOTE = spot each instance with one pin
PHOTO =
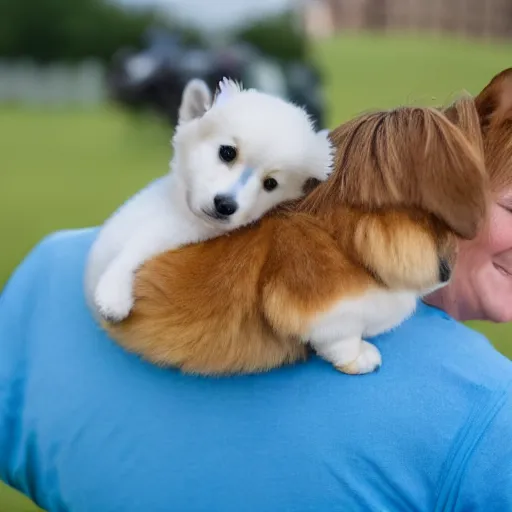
(365, 72)
(69, 169)
(72, 168)
(11, 501)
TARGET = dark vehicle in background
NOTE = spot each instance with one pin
(155, 77)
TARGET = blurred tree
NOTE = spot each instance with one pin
(47, 30)
(278, 36)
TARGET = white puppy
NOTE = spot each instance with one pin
(234, 159)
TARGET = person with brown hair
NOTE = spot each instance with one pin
(86, 426)
(481, 288)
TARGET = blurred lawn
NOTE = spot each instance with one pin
(69, 169)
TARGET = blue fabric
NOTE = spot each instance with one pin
(87, 427)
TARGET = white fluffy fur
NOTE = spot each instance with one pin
(273, 138)
(338, 335)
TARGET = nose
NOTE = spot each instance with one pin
(225, 205)
(445, 270)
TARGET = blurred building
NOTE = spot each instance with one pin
(473, 18)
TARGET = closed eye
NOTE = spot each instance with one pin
(507, 207)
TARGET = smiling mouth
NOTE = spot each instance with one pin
(502, 270)
(214, 215)
(209, 216)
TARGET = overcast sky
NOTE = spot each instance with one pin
(216, 13)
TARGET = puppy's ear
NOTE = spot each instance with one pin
(449, 178)
(196, 100)
(464, 114)
(226, 90)
(324, 156)
(452, 179)
(495, 100)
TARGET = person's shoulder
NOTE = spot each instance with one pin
(44, 276)
(473, 381)
(451, 349)
(39, 281)
(65, 243)
(449, 381)
(56, 252)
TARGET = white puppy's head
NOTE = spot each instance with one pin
(243, 152)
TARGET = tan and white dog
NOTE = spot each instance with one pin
(343, 264)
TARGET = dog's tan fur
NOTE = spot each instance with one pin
(406, 184)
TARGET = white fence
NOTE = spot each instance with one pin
(25, 82)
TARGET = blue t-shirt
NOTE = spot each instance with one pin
(87, 427)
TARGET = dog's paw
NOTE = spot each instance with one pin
(368, 360)
(113, 298)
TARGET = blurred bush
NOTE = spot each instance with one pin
(279, 36)
(71, 30)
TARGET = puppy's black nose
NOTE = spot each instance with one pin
(225, 205)
(445, 271)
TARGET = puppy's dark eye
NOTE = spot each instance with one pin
(270, 184)
(227, 153)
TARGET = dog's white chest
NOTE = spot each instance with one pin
(373, 313)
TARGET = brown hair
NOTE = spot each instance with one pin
(491, 111)
(399, 158)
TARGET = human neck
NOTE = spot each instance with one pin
(445, 299)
